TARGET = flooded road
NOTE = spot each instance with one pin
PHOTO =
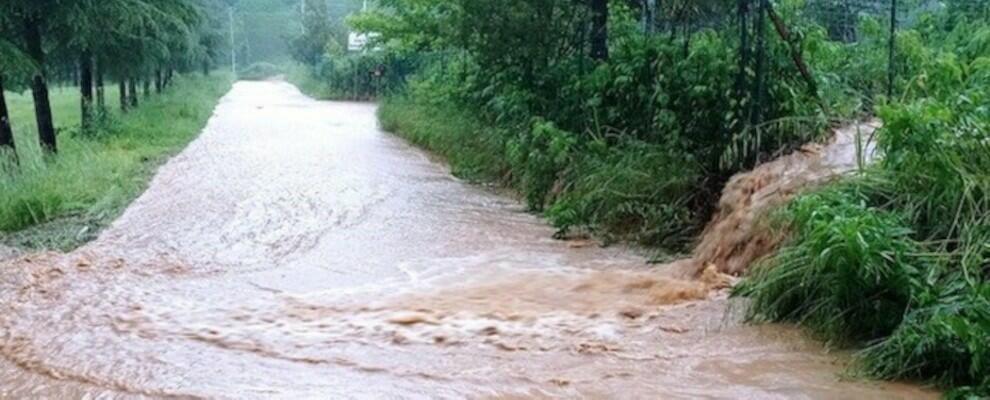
(296, 251)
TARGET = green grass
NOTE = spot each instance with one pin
(632, 191)
(303, 78)
(475, 151)
(896, 262)
(65, 201)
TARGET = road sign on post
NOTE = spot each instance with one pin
(360, 41)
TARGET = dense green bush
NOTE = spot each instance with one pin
(899, 259)
(355, 76)
(849, 272)
(894, 261)
(637, 147)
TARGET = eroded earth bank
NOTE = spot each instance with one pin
(296, 251)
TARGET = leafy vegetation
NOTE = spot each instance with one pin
(898, 259)
(634, 144)
(63, 202)
(634, 140)
(138, 42)
(618, 118)
(86, 160)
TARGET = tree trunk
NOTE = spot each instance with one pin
(147, 87)
(206, 68)
(158, 81)
(100, 93)
(132, 92)
(599, 29)
(39, 86)
(796, 55)
(123, 95)
(86, 88)
(6, 133)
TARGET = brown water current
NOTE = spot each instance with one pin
(296, 251)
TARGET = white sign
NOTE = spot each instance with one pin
(359, 41)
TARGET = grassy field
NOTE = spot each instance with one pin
(65, 201)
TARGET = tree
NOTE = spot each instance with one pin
(86, 87)
(87, 40)
(136, 41)
(39, 84)
(33, 23)
(13, 63)
(308, 48)
(6, 133)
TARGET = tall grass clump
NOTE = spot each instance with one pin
(848, 273)
(635, 190)
(897, 261)
(474, 154)
(60, 202)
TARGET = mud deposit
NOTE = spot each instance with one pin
(296, 251)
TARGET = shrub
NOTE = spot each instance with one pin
(848, 272)
(635, 190)
(259, 71)
(898, 260)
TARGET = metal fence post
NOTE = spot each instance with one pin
(892, 48)
(756, 117)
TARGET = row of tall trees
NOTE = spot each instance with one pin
(135, 42)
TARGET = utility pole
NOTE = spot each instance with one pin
(233, 48)
(649, 20)
(302, 15)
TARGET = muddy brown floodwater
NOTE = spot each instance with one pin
(296, 251)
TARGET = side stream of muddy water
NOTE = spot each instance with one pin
(296, 251)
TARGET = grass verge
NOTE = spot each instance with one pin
(630, 191)
(303, 78)
(65, 201)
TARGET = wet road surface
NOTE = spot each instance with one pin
(296, 251)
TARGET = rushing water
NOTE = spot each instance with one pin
(296, 251)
